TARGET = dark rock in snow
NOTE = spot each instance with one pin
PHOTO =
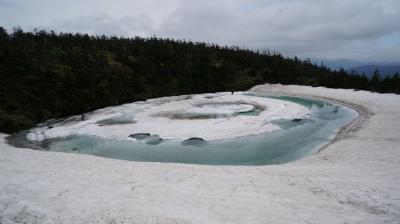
(195, 141)
(140, 135)
(154, 140)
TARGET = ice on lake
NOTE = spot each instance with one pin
(212, 129)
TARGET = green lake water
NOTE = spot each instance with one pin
(295, 140)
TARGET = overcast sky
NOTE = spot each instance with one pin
(365, 30)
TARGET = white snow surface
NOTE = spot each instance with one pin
(153, 117)
(355, 180)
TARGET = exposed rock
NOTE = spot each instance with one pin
(140, 135)
(297, 120)
(195, 141)
(154, 140)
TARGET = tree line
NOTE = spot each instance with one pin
(47, 75)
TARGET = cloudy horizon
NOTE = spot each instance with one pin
(361, 30)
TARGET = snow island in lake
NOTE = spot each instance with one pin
(244, 128)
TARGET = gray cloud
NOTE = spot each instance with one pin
(8, 3)
(205, 21)
(108, 25)
(357, 29)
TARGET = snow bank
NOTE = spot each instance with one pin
(355, 179)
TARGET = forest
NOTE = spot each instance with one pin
(46, 75)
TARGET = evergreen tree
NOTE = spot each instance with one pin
(375, 81)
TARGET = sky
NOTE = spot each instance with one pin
(362, 30)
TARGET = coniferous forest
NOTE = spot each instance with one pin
(47, 75)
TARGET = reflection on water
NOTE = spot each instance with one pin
(215, 110)
(296, 140)
(117, 120)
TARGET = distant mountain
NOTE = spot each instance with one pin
(336, 64)
(384, 70)
(368, 68)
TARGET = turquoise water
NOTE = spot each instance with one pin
(294, 141)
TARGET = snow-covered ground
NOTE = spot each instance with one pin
(356, 179)
(154, 117)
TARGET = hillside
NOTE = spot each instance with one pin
(47, 75)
